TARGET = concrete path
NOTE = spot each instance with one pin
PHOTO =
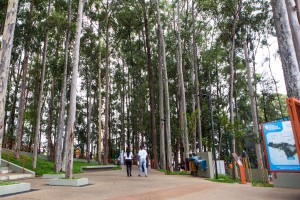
(115, 185)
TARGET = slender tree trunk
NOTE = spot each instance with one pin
(72, 107)
(193, 116)
(231, 86)
(128, 108)
(107, 90)
(23, 92)
(185, 139)
(39, 109)
(195, 61)
(253, 109)
(11, 120)
(21, 107)
(161, 100)
(167, 110)
(295, 26)
(298, 9)
(59, 163)
(100, 105)
(5, 56)
(151, 88)
(50, 118)
(286, 49)
(89, 110)
(123, 111)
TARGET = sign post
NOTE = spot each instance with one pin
(294, 112)
(280, 147)
(241, 168)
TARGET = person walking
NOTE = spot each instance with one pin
(142, 157)
(128, 160)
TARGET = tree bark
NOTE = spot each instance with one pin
(107, 90)
(39, 108)
(89, 110)
(11, 119)
(231, 79)
(151, 88)
(295, 26)
(161, 95)
(49, 124)
(72, 107)
(59, 163)
(100, 105)
(168, 112)
(298, 9)
(23, 91)
(195, 60)
(123, 111)
(286, 49)
(258, 150)
(185, 139)
(5, 56)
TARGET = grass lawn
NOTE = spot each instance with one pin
(3, 183)
(224, 179)
(44, 166)
(174, 172)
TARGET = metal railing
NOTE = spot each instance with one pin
(11, 154)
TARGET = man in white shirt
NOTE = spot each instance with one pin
(142, 157)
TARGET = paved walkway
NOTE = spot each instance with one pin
(115, 185)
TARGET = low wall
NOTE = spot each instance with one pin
(286, 180)
(257, 174)
(209, 173)
(16, 168)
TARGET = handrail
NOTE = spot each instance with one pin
(23, 158)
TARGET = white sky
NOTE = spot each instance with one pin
(263, 67)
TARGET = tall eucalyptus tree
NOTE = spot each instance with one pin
(196, 69)
(58, 161)
(150, 84)
(286, 48)
(5, 57)
(107, 86)
(237, 8)
(41, 90)
(99, 102)
(69, 149)
(163, 65)
(182, 99)
(294, 22)
(22, 98)
(162, 155)
(258, 149)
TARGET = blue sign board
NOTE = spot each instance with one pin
(121, 157)
(280, 146)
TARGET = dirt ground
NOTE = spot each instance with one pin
(115, 185)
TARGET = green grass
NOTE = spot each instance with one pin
(44, 166)
(117, 167)
(56, 173)
(74, 178)
(3, 183)
(224, 179)
(261, 184)
(174, 172)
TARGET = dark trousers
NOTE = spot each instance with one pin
(128, 166)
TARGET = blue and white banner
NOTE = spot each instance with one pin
(280, 146)
(121, 157)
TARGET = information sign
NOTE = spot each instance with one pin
(280, 147)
